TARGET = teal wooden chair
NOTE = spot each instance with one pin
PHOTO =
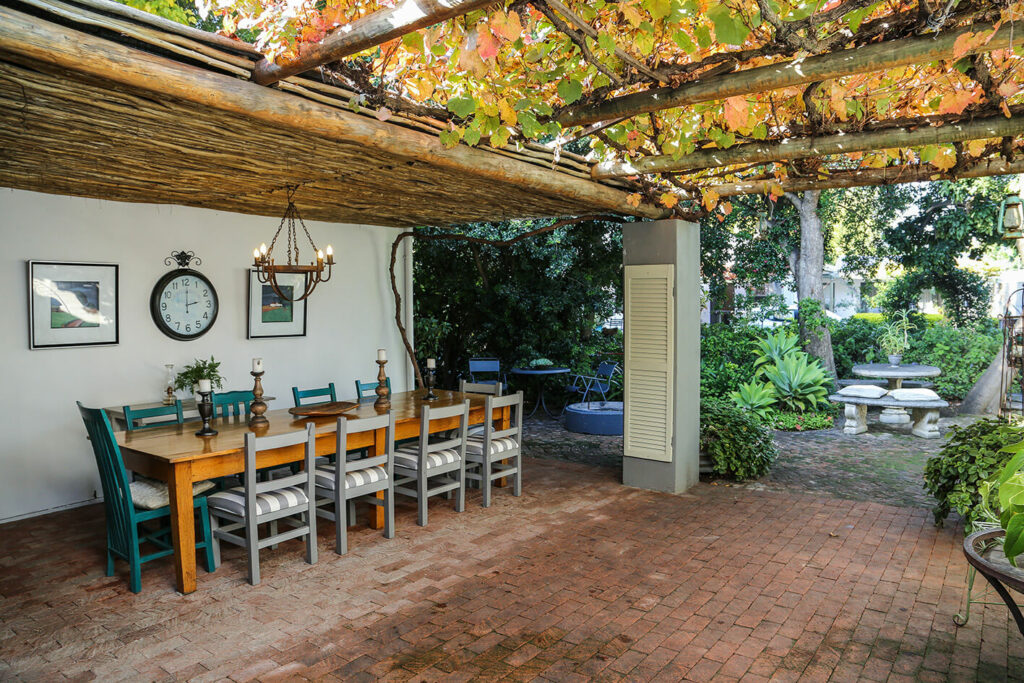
(325, 393)
(125, 535)
(368, 389)
(133, 416)
(232, 403)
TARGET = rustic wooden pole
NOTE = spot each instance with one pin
(366, 32)
(28, 40)
(801, 148)
(864, 59)
(870, 176)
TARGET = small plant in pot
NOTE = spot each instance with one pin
(895, 337)
(189, 377)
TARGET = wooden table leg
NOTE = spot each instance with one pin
(377, 511)
(183, 527)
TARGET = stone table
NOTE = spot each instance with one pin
(895, 374)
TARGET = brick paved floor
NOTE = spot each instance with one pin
(580, 579)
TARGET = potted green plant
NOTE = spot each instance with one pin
(189, 377)
(895, 337)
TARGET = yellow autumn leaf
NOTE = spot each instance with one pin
(633, 200)
(669, 199)
(710, 199)
(945, 159)
(976, 147)
(508, 114)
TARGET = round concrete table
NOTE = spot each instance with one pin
(895, 374)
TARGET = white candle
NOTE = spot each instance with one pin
(204, 386)
(257, 365)
(382, 354)
(431, 364)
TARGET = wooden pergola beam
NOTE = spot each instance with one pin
(802, 148)
(364, 33)
(29, 40)
(893, 175)
(865, 59)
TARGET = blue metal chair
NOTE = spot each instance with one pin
(486, 366)
(367, 389)
(124, 534)
(133, 416)
(232, 403)
(327, 393)
(600, 382)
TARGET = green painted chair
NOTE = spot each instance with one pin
(363, 387)
(327, 393)
(133, 416)
(125, 535)
(232, 403)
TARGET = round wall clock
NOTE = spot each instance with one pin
(184, 303)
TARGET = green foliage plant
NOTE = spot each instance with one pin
(800, 382)
(200, 369)
(855, 341)
(962, 353)
(799, 422)
(895, 337)
(755, 397)
(1009, 483)
(737, 444)
(972, 455)
(773, 348)
(727, 355)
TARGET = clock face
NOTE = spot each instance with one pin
(184, 304)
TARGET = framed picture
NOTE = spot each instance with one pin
(72, 304)
(271, 315)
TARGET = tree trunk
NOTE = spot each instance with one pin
(810, 268)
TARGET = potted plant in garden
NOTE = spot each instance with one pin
(895, 337)
(200, 369)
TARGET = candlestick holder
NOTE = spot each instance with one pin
(430, 396)
(383, 393)
(258, 406)
(205, 407)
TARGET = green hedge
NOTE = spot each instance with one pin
(738, 445)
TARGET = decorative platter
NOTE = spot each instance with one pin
(323, 409)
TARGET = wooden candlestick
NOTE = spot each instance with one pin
(383, 393)
(257, 407)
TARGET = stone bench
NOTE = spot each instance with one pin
(907, 383)
(924, 414)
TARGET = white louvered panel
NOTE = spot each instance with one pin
(649, 353)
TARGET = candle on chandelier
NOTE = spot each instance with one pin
(431, 364)
(382, 355)
(256, 256)
(319, 255)
(330, 254)
(257, 365)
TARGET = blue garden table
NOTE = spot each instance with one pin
(541, 374)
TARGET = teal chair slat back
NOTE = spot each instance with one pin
(117, 494)
(232, 403)
(363, 387)
(133, 415)
(324, 393)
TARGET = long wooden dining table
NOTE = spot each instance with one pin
(175, 455)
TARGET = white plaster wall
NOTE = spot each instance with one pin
(45, 459)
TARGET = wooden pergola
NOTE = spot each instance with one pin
(100, 100)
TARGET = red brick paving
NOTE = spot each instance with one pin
(580, 579)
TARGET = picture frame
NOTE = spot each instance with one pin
(72, 303)
(269, 316)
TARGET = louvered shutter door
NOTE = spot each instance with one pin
(650, 335)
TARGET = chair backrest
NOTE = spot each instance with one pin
(490, 388)
(117, 493)
(368, 389)
(514, 402)
(232, 402)
(133, 416)
(367, 424)
(457, 441)
(605, 371)
(326, 393)
(306, 478)
(486, 365)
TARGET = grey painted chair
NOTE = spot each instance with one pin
(347, 480)
(434, 467)
(487, 453)
(291, 500)
(489, 388)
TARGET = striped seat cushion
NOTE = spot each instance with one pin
(409, 458)
(233, 500)
(475, 445)
(325, 477)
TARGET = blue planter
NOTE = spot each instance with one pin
(595, 417)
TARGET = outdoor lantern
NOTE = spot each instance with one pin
(1011, 217)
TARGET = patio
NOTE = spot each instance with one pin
(580, 579)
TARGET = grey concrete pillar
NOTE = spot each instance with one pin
(678, 243)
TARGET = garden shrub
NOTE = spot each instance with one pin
(727, 355)
(962, 353)
(799, 422)
(970, 456)
(855, 341)
(738, 445)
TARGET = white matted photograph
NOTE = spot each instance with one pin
(72, 304)
(274, 315)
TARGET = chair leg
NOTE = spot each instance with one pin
(204, 529)
(421, 499)
(273, 532)
(311, 546)
(214, 541)
(341, 525)
(460, 497)
(110, 563)
(517, 483)
(351, 511)
(252, 550)
(135, 578)
(485, 480)
(389, 513)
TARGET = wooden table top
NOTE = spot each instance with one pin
(179, 442)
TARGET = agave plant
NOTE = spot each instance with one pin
(756, 397)
(774, 348)
(799, 381)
